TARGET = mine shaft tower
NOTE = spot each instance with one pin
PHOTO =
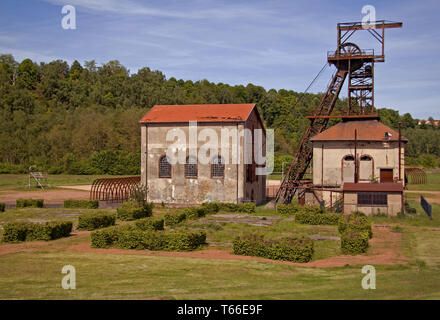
(356, 64)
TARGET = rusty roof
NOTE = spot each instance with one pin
(199, 113)
(367, 130)
(374, 187)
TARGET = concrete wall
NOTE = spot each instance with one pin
(328, 161)
(394, 204)
(184, 191)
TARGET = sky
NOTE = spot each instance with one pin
(279, 44)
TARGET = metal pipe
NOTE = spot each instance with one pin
(355, 156)
(400, 153)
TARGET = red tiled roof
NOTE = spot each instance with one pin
(199, 113)
(376, 187)
(367, 130)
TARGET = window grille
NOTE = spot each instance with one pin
(164, 167)
(217, 167)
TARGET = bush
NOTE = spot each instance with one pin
(288, 209)
(317, 218)
(150, 224)
(246, 207)
(2, 206)
(354, 242)
(34, 203)
(289, 249)
(130, 210)
(84, 204)
(22, 231)
(157, 240)
(211, 207)
(173, 219)
(356, 221)
(104, 238)
(194, 212)
(91, 221)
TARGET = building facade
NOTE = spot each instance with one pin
(359, 162)
(204, 171)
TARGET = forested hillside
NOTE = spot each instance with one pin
(83, 119)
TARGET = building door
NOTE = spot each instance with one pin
(386, 175)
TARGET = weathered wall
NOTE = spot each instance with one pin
(392, 209)
(328, 161)
(181, 190)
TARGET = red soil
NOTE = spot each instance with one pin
(49, 196)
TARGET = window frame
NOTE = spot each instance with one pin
(159, 168)
(217, 164)
(187, 164)
(372, 199)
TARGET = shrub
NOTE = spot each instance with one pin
(355, 221)
(184, 241)
(105, 238)
(85, 204)
(317, 218)
(354, 242)
(211, 207)
(91, 221)
(2, 206)
(131, 210)
(173, 219)
(34, 203)
(288, 209)
(22, 231)
(290, 249)
(247, 207)
(150, 224)
(194, 212)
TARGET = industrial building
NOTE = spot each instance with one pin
(194, 182)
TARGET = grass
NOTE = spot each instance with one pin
(433, 184)
(20, 181)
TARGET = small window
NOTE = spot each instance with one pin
(365, 158)
(349, 158)
(164, 167)
(191, 167)
(217, 168)
(372, 198)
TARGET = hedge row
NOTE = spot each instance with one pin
(2, 206)
(34, 203)
(317, 218)
(354, 242)
(173, 219)
(289, 249)
(84, 204)
(288, 209)
(355, 230)
(131, 210)
(355, 221)
(246, 207)
(133, 238)
(150, 224)
(25, 231)
(92, 221)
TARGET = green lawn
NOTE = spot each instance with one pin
(20, 181)
(433, 184)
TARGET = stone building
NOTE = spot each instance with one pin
(357, 162)
(220, 176)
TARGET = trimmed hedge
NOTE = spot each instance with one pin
(355, 221)
(127, 237)
(317, 218)
(33, 203)
(2, 206)
(289, 249)
(246, 207)
(288, 209)
(354, 242)
(150, 224)
(211, 207)
(92, 221)
(194, 212)
(173, 219)
(131, 210)
(83, 204)
(25, 231)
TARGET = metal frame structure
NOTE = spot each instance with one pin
(113, 189)
(416, 176)
(358, 66)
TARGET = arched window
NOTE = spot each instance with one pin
(366, 168)
(217, 167)
(348, 168)
(191, 167)
(365, 158)
(349, 158)
(164, 167)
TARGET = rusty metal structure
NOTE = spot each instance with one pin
(358, 66)
(416, 176)
(113, 189)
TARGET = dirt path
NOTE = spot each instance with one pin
(385, 248)
(49, 196)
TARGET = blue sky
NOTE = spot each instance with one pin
(275, 44)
